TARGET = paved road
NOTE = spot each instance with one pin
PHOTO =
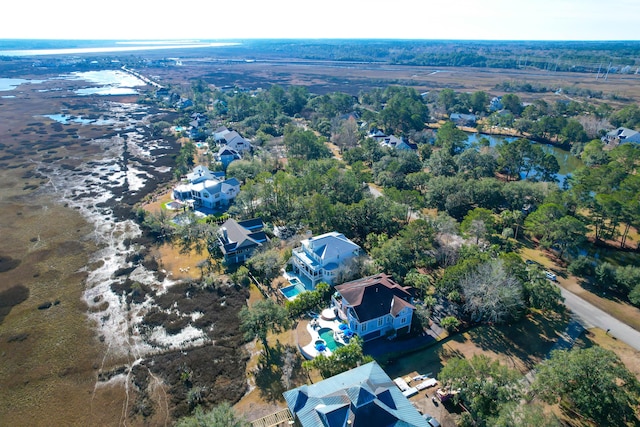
(590, 316)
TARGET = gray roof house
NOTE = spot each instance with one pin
(201, 173)
(239, 239)
(362, 397)
(236, 142)
(392, 141)
(226, 155)
(463, 119)
(622, 135)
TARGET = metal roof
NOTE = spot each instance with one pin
(365, 396)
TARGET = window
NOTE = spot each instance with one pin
(363, 327)
(403, 320)
(380, 321)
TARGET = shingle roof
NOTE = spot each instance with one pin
(375, 296)
(238, 237)
(364, 395)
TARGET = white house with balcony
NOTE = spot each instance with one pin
(321, 258)
(375, 306)
(207, 189)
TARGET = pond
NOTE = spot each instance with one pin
(568, 162)
(7, 84)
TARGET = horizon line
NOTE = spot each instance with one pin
(197, 40)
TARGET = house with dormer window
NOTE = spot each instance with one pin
(375, 306)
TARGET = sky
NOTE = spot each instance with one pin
(397, 19)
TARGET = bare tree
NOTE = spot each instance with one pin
(491, 294)
(347, 134)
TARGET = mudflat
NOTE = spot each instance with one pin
(50, 353)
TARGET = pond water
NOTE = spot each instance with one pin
(65, 119)
(109, 82)
(568, 162)
(10, 84)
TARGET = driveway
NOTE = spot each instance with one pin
(591, 316)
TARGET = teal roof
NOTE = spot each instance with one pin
(365, 395)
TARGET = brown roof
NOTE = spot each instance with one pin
(375, 296)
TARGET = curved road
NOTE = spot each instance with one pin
(590, 316)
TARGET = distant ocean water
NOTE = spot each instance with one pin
(74, 47)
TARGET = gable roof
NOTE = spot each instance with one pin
(365, 395)
(199, 173)
(235, 236)
(225, 150)
(375, 296)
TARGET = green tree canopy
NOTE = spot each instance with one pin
(592, 382)
(341, 360)
(304, 144)
(265, 316)
(405, 111)
(222, 415)
(450, 138)
(484, 384)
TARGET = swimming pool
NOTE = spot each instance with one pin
(292, 291)
(327, 335)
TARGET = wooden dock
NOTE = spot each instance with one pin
(281, 418)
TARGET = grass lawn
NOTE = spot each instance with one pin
(519, 346)
(629, 355)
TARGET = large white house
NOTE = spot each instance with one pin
(375, 306)
(321, 258)
(207, 189)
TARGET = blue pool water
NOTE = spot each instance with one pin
(296, 288)
(327, 335)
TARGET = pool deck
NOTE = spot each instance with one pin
(309, 350)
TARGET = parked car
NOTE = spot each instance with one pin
(531, 262)
(432, 421)
(550, 276)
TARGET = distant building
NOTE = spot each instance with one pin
(184, 103)
(362, 397)
(239, 239)
(392, 141)
(621, 135)
(232, 140)
(226, 155)
(463, 119)
(496, 104)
